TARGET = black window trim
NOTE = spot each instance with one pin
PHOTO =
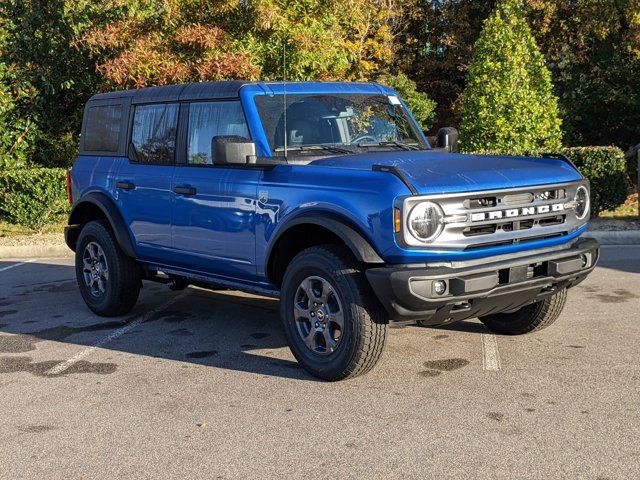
(180, 156)
(132, 154)
(125, 103)
(186, 132)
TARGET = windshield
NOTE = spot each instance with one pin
(338, 120)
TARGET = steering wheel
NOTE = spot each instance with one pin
(364, 137)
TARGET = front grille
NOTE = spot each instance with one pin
(502, 217)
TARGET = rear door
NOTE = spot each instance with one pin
(143, 184)
(214, 206)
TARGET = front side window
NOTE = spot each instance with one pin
(154, 133)
(208, 120)
(339, 120)
(102, 131)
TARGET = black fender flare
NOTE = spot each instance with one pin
(359, 246)
(111, 213)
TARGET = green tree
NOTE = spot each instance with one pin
(16, 133)
(422, 107)
(508, 105)
(593, 50)
(49, 76)
(155, 42)
(436, 46)
(161, 42)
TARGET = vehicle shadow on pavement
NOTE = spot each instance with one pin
(227, 330)
(619, 257)
(467, 326)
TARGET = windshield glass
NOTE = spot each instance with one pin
(340, 120)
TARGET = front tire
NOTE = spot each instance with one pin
(109, 281)
(335, 326)
(530, 318)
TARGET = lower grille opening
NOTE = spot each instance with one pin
(526, 224)
(480, 230)
(548, 221)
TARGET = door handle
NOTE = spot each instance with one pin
(123, 185)
(184, 190)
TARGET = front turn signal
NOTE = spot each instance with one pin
(397, 220)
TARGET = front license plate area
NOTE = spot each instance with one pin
(518, 274)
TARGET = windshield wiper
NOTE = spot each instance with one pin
(404, 146)
(312, 148)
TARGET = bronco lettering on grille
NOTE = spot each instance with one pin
(513, 213)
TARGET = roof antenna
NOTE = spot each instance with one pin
(284, 87)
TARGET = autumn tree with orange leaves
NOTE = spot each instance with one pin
(161, 42)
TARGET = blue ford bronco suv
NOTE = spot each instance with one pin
(328, 196)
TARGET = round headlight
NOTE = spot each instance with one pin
(582, 202)
(425, 221)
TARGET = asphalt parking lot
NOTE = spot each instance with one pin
(199, 384)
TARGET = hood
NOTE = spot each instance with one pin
(433, 172)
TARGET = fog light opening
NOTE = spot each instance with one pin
(586, 260)
(439, 287)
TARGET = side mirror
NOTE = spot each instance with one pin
(448, 139)
(233, 150)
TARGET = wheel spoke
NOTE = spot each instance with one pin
(93, 251)
(326, 291)
(307, 287)
(337, 318)
(329, 342)
(300, 312)
(308, 340)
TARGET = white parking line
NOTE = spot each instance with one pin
(490, 353)
(3, 269)
(61, 367)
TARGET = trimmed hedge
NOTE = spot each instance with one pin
(606, 169)
(33, 197)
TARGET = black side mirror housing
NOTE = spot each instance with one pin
(448, 139)
(233, 150)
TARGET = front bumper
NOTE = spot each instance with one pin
(475, 289)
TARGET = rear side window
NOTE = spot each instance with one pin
(154, 133)
(211, 119)
(103, 128)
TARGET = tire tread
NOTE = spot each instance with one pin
(124, 272)
(371, 315)
(531, 318)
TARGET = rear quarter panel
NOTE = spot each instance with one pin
(94, 174)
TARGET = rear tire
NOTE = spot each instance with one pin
(530, 318)
(335, 326)
(109, 281)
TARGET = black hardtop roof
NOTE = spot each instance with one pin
(185, 91)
